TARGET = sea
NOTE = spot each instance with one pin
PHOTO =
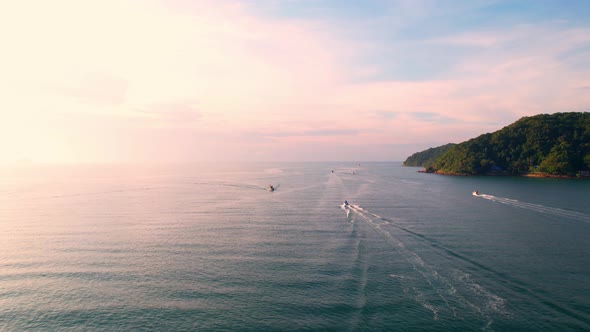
(207, 247)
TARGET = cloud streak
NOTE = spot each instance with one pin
(315, 133)
(249, 81)
(176, 113)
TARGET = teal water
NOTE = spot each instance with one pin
(208, 248)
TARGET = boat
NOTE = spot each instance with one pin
(475, 193)
(270, 188)
(345, 205)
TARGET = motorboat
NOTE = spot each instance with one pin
(345, 205)
(270, 187)
(475, 193)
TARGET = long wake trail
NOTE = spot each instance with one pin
(114, 191)
(459, 289)
(445, 296)
(552, 211)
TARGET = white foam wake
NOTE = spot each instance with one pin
(556, 212)
(449, 294)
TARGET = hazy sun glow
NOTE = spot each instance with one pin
(167, 81)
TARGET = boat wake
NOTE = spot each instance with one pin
(235, 185)
(98, 193)
(455, 291)
(346, 209)
(450, 295)
(555, 212)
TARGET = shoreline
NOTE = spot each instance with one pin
(526, 175)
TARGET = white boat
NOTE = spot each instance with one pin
(475, 193)
(345, 205)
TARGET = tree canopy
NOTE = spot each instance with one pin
(553, 144)
(427, 156)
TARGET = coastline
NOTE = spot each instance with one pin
(527, 175)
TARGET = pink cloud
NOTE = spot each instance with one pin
(254, 76)
(100, 89)
(176, 113)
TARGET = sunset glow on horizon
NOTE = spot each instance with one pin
(326, 80)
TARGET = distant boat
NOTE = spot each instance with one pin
(270, 188)
(475, 193)
(345, 204)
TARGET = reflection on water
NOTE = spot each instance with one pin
(208, 247)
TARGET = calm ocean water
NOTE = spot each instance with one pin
(208, 248)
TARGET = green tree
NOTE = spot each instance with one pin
(556, 144)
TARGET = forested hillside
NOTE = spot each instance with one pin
(426, 157)
(552, 144)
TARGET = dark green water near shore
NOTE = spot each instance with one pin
(208, 248)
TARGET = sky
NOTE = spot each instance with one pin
(117, 81)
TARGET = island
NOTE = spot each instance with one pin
(544, 145)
